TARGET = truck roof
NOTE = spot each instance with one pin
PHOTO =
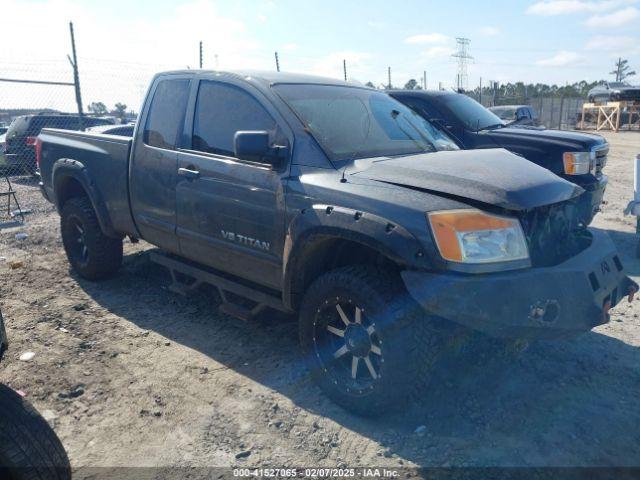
(268, 77)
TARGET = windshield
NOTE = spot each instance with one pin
(352, 123)
(617, 84)
(504, 113)
(467, 112)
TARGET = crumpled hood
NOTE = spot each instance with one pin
(492, 176)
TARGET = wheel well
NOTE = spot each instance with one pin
(325, 254)
(68, 188)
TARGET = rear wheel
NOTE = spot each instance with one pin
(29, 448)
(90, 252)
(369, 346)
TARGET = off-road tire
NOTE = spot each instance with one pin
(29, 448)
(411, 341)
(104, 256)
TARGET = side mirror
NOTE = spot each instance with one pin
(253, 146)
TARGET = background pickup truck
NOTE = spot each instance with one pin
(338, 203)
(576, 157)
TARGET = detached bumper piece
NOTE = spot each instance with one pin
(550, 302)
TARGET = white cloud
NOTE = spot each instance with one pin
(564, 7)
(563, 58)
(489, 31)
(615, 19)
(289, 47)
(427, 38)
(118, 54)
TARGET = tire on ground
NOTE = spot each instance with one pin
(103, 254)
(29, 448)
(408, 341)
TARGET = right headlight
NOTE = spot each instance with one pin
(473, 236)
(578, 163)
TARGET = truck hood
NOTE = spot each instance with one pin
(492, 176)
(575, 140)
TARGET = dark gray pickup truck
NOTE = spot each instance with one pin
(339, 203)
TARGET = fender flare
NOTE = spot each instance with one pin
(65, 169)
(326, 221)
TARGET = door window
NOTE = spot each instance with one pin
(221, 111)
(166, 114)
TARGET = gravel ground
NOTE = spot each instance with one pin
(130, 374)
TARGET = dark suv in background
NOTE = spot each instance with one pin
(575, 156)
(20, 139)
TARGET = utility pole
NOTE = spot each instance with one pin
(344, 69)
(277, 62)
(463, 56)
(424, 79)
(76, 77)
(200, 54)
(389, 76)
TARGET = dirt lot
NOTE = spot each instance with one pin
(130, 374)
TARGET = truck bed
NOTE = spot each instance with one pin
(105, 157)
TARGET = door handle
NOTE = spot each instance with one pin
(189, 173)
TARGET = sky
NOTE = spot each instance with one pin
(122, 43)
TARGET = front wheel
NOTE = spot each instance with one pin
(29, 448)
(367, 343)
(90, 252)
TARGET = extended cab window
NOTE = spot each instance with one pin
(221, 111)
(166, 114)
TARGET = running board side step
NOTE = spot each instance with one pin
(224, 286)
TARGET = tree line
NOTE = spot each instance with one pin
(622, 70)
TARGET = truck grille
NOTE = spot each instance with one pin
(554, 233)
(601, 152)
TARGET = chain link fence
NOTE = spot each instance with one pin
(37, 95)
(561, 113)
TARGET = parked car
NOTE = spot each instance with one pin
(517, 114)
(29, 448)
(576, 157)
(118, 130)
(21, 137)
(613, 91)
(337, 202)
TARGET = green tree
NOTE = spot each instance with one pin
(370, 85)
(120, 110)
(98, 108)
(622, 70)
(412, 85)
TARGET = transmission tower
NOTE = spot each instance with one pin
(462, 54)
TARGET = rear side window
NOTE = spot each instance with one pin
(166, 114)
(221, 111)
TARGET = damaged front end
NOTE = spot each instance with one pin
(575, 278)
(554, 232)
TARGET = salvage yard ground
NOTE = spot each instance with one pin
(130, 374)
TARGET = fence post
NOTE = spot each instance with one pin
(76, 77)
(561, 111)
